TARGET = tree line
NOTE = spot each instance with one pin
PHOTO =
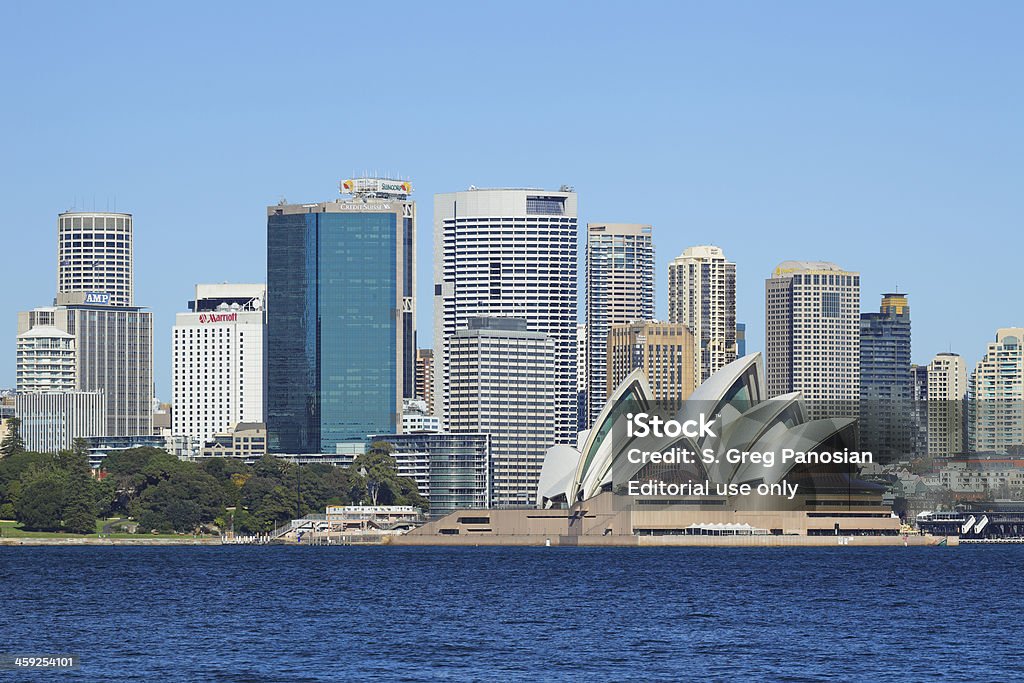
(59, 492)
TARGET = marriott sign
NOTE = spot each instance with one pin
(217, 318)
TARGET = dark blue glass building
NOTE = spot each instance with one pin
(886, 384)
(340, 352)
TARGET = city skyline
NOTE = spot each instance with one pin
(863, 159)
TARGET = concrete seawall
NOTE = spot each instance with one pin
(612, 541)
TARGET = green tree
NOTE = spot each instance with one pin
(80, 498)
(79, 507)
(245, 522)
(276, 507)
(13, 471)
(184, 501)
(41, 504)
(132, 471)
(376, 468)
(12, 443)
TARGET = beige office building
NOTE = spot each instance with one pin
(664, 351)
(812, 339)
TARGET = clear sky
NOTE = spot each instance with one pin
(886, 137)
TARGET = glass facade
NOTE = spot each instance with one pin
(886, 384)
(337, 326)
(357, 318)
(458, 468)
(292, 380)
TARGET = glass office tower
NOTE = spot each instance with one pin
(340, 348)
(886, 386)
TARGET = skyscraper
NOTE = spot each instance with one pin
(812, 339)
(340, 310)
(702, 296)
(112, 345)
(997, 394)
(510, 253)
(620, 289)
(502, 382)
(94, 258)
(113, 353)
(947, 394)
(663, 350)
(217, 351)
(885, 383)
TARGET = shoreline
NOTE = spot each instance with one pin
(28, 540)
(535, 541)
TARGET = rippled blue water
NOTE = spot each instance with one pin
(381, 613)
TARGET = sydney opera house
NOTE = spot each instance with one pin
(739, 489)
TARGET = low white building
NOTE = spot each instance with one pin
(51, 422)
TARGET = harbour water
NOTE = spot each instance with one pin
(391, 614)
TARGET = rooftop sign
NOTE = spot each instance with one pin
(376, 186)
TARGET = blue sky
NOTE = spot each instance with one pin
(886, 137)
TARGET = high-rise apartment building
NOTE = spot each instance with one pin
(620, 290)
(511, 253)
(45, 360)
(885, 383)
(997, 394)
(425, 378)
(113, 354)
(812, 336)
(665, 353)
(217, 350)
(702, 296)
(94, 258)
(502, 382)
(340, 312)
(947, 394)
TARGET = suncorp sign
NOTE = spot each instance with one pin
(377, 186)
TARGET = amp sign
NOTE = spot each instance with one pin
(100, 298)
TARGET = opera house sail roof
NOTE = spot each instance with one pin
(745, 422)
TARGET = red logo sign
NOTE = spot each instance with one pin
(217, 318)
